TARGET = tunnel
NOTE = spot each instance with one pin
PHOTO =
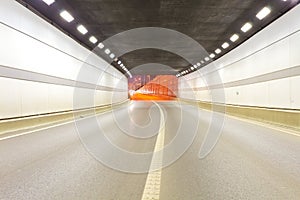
(149, 99)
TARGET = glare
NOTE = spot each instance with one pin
(234, 37)
(246, 27)
(82, 29)
(49, 2)
(93, 40)
(263, 13)
(66, 16)
(225, 45)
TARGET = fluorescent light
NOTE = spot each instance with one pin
(263, 13)
(192, 68)
(119, 62)
(107, 51)
(195, 66)
(101, 45)
(246, 27)
(212, 55)
(82, 29)
(122, 65)
(49, 2)
(234, 37)
(225, 45)
(66, 16)
(93, 40)
(112, 55)
(206, 58)
(218, 51)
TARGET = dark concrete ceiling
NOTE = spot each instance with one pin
(209, 22)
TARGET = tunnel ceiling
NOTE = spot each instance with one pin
(209, 22)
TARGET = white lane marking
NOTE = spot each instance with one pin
(49, 127)
(152, 186)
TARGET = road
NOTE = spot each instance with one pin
(70, 161)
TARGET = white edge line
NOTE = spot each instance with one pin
(49, 127)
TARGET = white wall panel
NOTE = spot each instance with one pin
(10, 101)
(275, 48)
(16, 16)
(295, 94)
(47, 51)
(294, 50)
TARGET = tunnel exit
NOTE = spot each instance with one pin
(153, 87)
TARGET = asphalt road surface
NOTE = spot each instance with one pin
(99, 158)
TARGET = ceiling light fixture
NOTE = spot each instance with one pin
(206, 58)
(198, 64)
(82, 29)
(66, 16)
(234, 37)
(112, 55)
(119, 62)
(263, 13)
(93, 40)
(246, 27)
(218, 51)
(49, 2)
(107, 51)
(212, 55)
(101, 45)
(225, 45)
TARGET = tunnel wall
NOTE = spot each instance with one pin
(39, 66)
(262, 72)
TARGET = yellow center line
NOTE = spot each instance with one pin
(152, 186)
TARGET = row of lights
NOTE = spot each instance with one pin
(69, 18)
(108, 52)
(112, 56)
(245, 28)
